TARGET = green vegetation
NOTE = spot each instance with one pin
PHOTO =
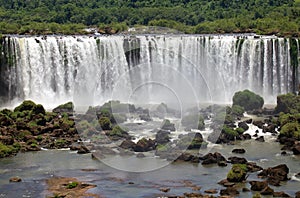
(6, 151)
(288, 103)
(237, 173)
(105, 123)
(72, 185)
(190, 16)
(248, 100)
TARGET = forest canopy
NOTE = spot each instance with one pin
(191, 16)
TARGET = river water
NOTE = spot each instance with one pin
(35, 167)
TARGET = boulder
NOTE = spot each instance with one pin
(260, 139)
(243, 125)
(280, 194)
(144, 145)
(258, 123)
(127, 144)
(253, 167)
(267, 191)
(258, 185)
(230, 191)
(240, 151)
(296, 150)
(237, 173)
(237, 160)
(212, 158)
(167, 125)
(162, 137)
(275, 174)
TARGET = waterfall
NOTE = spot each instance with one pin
(144, 68)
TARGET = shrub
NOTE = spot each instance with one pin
(248, 100)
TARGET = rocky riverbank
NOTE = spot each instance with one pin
(103, 131)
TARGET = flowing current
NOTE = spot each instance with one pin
(154, 68)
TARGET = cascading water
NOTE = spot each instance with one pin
(154, 68)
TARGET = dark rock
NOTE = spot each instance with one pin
(65, 108)
(164, 190)
(237, 160)
(280, 194)
(167, 125)
(297, 195)
(162, 137)
(243, 125)
(15, 179)
(140, 155)
(127, 144)
(230, 191)
(246, 136)
(258, 185)
(270, 128)
(249, 121)
(241, 151)
(144, 145)
(222, 163)
(212, 158)
(192, 195)
(296, 150)
(145, 117)
(246, 190)
(83, 150)
(211, 191)
(258, 123)
(253, 167)
(260, 139)
(267, 191)
(186, 157)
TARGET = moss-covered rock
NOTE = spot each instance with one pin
(6, 151)
(248, 100)
(291, 130)
(237, 173)
(64, 108)
(27, 105)
(105, 123)
(288, 103)
(117, 133)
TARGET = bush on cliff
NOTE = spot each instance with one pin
(248, 100)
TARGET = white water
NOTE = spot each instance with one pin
(179, 69)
